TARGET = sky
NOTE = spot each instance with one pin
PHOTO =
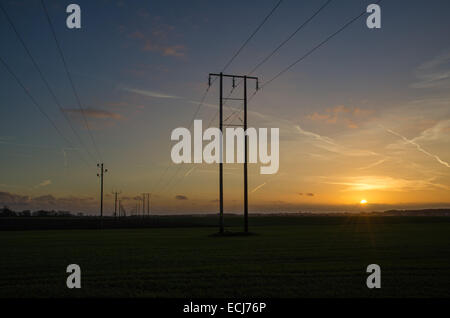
(365, 116)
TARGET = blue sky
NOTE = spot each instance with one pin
(141, 66)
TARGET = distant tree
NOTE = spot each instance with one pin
(63, 213)
(25, 213)
(41, 213)
(5, 212)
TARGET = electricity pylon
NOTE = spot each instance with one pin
(221, 99)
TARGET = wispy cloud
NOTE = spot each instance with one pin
(158, 39)
(65, 157)
(438, 132)
(349, 116)
(95, 113)
(419, 147)
(74, 203)
(383, 183)
(44, 183)
(372, 165)
(330, 145)
(150, 93)
(434, 73)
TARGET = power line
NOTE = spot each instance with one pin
(316, 47)
(289, 37)
(263, 61)
(41, 110)
(240, 50)
(70, 79)
(52, 93)
(252, 35)
(224, 68)
(312, 50)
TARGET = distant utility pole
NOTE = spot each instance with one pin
(145, 204)
(221, 98)
(115, 202)
(102, 172)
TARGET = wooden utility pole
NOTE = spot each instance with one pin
(145, 201)
(115, 202)
(245, 159)
(102, 172)
(143, 204)
(244, 78)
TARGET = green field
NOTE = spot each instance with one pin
(289, 257)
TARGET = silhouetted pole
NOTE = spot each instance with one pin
(115, 203)
(244, 78)
(102, 171)
(144, 195)
(245, 159)
(221, 156)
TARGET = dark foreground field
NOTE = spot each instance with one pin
(290, 257)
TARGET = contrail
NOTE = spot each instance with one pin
(65, 157)
(379, 162)
(419, 148)
(189, 172)
(258, 187)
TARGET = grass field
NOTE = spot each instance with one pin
(289, 257)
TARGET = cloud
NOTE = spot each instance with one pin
(174, 50)
(349, 116)
(157, 39)
(383, 183)
(46, 199)
(309, 194)
(95, 113)
(44, 183)
(438, 132)
(434, 73)
(315, 136)
(150, 93)
(372, 165)
(181, 197)
(419, 148)
(330, 145)
(11, 199)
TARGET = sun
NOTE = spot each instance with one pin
(363, 201)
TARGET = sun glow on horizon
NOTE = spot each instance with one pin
(363, 201)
